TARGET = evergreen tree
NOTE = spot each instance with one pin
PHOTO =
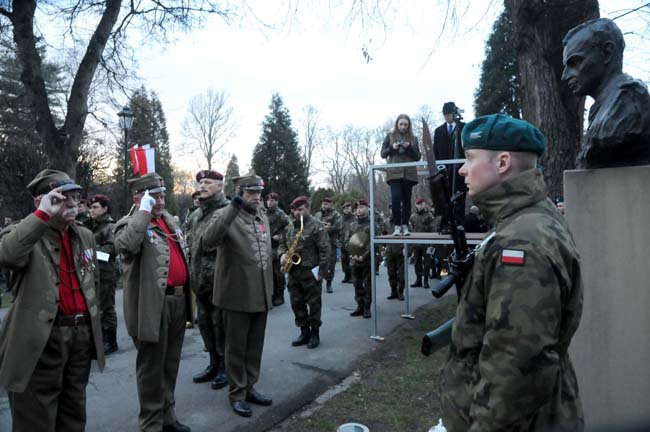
(498, 90)
(149, 127)
(277, 158)
(232, 170)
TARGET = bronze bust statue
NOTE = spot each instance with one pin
(619, 120)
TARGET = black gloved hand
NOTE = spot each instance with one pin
(237, 201)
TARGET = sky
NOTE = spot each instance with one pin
(313, 56)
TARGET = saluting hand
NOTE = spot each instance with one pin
(147, 202)
(52, 202)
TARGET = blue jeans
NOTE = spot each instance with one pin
(400, 191)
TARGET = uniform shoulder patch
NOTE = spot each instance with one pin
(513, 257)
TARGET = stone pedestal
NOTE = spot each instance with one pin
(609, 213)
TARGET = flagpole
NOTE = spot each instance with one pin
(126, 121)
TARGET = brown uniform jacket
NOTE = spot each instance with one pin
(145, 260)
(31, 250)
(243, 275)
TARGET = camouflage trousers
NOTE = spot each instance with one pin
(422, 261)
(210, 319)
(107, 303)
(395, 268)
(345, 263)
(279, 281)
(331, 262)
(361, 282)
(305, 294)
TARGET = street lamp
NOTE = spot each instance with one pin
(126, 123)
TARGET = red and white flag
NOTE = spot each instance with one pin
(143, 159)
(513, 256)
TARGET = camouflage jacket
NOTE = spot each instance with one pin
(103, 227)
(314, 248)
(422, 221)
(203, 257)
(388, 228)
(508, 367)
(278, 221)
(346, 223)
(335, 221)
(358, 242)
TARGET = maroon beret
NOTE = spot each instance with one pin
(327, 200)
(419, 200)
(273, 196)
(209, 174)
(101, 199)
(362, 202)
(297, 202)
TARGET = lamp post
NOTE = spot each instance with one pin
(126, 123)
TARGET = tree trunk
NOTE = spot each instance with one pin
(547, 102)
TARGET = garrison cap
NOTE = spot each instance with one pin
(103, 200)
(250, 182)
(209, 174)
(503, 133)
(49, 179)
(362, 202)
(298, 201)
(420, 200)
(150, 181)
(449, 108)
(273, 196)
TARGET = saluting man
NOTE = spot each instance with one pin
(156, 300)
(52, 330)
(509, 366)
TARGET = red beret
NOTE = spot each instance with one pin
(327, 199)
(297, 202)
(362, 202)
(209, 174)
(273, 196)
(420, 200)
(102, 199)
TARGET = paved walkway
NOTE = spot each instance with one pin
(292, 376)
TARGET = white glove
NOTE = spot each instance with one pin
(147, 202)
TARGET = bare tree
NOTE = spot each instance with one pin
(361, 148)
(312, 134)
(208, 125)
(334, 162)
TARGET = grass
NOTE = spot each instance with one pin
(397, 387)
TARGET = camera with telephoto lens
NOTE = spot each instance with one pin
(458, 114)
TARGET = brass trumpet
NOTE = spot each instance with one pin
(292, 256)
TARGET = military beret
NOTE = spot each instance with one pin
(49, 179)
(83, 201)
(103, 200)
(347, 204)
(362, 202)
(250, 181)
(420, 200)
(449, 108)
(327, 200)
(150, 181)
(196, 194)
(503, 133)
(272, 196)
(209, 174)
(298, 201)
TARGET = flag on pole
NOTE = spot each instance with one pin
(143, 159)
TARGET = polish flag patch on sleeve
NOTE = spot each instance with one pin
(513, 257)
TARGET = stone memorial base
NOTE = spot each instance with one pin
(609, 213)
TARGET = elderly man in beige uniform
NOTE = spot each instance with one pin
(52, 330)
(156, 300)
(243, 287)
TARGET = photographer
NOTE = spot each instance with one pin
(401, 146)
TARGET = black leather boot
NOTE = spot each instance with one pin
(210, 372)
(417, 283)
(357, 312)
(366, 312)
(221, 380)
(303, 339)
(314, 340)
(110, 341)
(426, 281)
(328, 287)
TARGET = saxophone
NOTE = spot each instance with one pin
(292, 257)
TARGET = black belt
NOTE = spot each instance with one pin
(72, 320)
(174, 290)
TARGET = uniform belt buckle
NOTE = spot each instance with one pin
(178, 291)
(79, 319)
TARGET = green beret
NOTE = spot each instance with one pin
(503, 133)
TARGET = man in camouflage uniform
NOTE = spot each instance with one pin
(202, 261)
(278, 221)
(83, 216)
(394, 257)
(347, 219)
(421, 221)
(313, 247)
(102, 226)
(358, 244)
(508, 366)
(333, 224)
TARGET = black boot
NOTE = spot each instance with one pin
(426, 281)
(110, 341)
(366, 312)
(393, 292)
(278, 300)
(210, 372)
(346, 279)
(328, 287)
(220, 381)
(417, 283)
(303, 339)
(358, 311)
(314, 339)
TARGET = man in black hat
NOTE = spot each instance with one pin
(156, 300)
(102, 225)
(52, 330)
(202, 261)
